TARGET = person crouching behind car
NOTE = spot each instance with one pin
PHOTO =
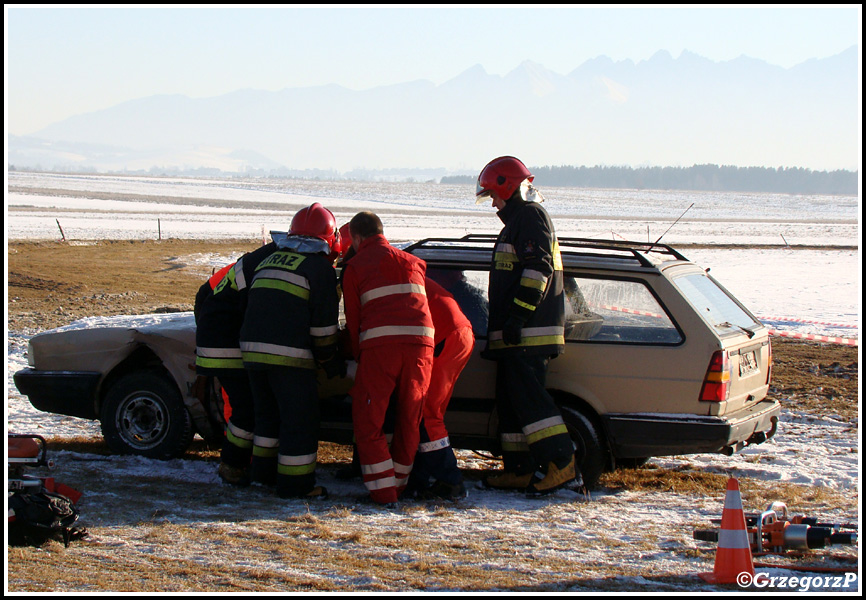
(454, 343)
(525, 330)
(219, 310)
(290, 327)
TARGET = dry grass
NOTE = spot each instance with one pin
(690, 481)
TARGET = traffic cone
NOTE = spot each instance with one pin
(734, 553)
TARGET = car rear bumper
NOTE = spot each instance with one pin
(651, 434)
(69, 393)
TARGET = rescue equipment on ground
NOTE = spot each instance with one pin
(775, 532)
(40, 508)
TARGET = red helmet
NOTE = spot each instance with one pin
(502, 176)
(345, 241)
(316, 221)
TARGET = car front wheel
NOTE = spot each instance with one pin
(590, 455)
(143, 413)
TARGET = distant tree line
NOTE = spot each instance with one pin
(785, 180)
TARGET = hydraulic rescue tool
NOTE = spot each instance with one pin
(774, 532)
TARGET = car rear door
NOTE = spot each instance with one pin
(744, 358)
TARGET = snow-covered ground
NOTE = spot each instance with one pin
(814, 292)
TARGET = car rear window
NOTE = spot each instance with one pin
(714, 304)
(615, 310)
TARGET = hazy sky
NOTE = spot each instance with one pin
(62, 61)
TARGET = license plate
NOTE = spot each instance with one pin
(748, 364)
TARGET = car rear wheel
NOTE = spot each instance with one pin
(590, 454)
(143, 413)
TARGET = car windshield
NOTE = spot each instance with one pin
(714, 304)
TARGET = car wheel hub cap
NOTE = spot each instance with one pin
(142, 421)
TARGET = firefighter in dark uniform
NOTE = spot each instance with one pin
(290, 328)
(525, 331)
(219, 310)
(203, 382)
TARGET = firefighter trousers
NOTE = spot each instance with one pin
(237, 448)
(287, 429)
(532, 431)
(404, 368)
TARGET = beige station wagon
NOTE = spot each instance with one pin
(660, 360)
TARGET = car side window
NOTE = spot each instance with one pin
(615, 310)
(469, 289)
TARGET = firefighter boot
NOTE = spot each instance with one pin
(352, 471)
(507, 480)
(555, 478)
(300, 486)
(263, 470)
(234, 475)
(444, 491)
(318, 492)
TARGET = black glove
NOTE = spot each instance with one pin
(511, 331)
(336, 367)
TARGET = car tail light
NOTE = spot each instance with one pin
(718, 378)
(769, 361)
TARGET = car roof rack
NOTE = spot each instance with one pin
(610, 249)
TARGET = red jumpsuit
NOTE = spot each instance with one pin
(454, 343)
(391, 333)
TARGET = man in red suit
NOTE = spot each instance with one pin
(391, 334)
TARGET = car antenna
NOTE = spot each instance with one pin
(669, 228)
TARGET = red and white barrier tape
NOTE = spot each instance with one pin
(630, 311)
(789, 320)
(815, 338)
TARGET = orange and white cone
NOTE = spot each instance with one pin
(734, 553)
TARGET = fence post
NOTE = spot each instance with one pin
(62, 235)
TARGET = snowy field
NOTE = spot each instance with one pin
(810, 292)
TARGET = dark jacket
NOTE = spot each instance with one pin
(292, 310)
(526, 282)
(219, 316)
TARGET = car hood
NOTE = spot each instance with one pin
(156, 323)
(98, 343)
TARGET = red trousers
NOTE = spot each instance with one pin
(382, 370)
(446, 369)
(435, 456)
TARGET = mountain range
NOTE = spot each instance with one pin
(663, 111)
